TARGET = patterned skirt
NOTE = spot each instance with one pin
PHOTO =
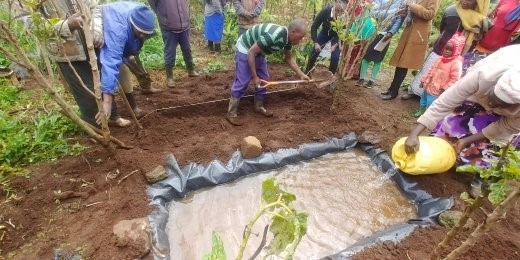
(468, 119)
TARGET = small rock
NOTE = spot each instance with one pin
(157, 174)
(449, 218)
(134, 233)
(369, 137)
(250, 147)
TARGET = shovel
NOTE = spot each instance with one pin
(320, 82)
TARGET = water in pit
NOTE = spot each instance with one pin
(345, 195)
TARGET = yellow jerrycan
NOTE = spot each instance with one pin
(435, 155)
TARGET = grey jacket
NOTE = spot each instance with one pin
(213, 6)
(69, 45)
(173, 15)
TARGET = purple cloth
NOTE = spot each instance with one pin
(171, 40)
(468, 119)
(243, 75)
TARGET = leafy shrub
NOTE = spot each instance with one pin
(29, 135)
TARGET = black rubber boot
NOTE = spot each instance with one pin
(131, 99)
(210, 46)
(217, 48)
(191, 70)
(169, 78)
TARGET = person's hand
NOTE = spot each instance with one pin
(461, 144)
(75, 21)
(304, 77)
(97, 38)
(249, 15)
(256, 81)
(411, 145)
(387, 36)
(317, 47)
(333, 47)
(107, 106)
(421, 85)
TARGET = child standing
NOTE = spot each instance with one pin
(443, 73)
(377, 56)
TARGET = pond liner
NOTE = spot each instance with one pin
(195, 176)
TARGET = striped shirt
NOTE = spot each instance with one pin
(269, 37)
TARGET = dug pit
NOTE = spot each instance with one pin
(346, 196)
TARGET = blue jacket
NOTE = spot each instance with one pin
(120, 42)
(395, 25)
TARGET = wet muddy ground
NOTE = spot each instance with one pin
(83, 223)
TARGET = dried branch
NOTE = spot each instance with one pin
(85, 11)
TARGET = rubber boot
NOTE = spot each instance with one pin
(259, 108)
(210, 46)
(131, 99)
(232, 114)
(217, 48)
(169, 78)
(191, 70)
(419, 112)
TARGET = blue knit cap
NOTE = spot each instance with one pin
(143, 19)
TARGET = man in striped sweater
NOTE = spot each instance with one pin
(251, 64)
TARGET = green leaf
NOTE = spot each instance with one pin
(288, 231)
(498, 191)
(217, 250)
(466, 198)
(271, 192)
(470, 168)
(283, 233)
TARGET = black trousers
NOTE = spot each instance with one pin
(86, 103)
(399, 75)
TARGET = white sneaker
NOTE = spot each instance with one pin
(120, 122)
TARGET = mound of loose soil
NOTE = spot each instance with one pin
(74, 202)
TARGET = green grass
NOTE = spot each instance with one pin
(31, 130)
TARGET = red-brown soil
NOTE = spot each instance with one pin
(200, 134)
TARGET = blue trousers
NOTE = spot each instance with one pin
(426, 99)
(171, 40)
(323, 38)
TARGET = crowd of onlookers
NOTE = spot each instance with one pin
(483, 96)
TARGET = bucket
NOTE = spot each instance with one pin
(435, 155)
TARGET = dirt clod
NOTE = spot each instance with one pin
(449, 218)
(157, 174)
(250, 147)
(133, 233)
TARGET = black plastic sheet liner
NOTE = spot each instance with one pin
(195, 176)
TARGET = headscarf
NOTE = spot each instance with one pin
(474, 20)
(457, 41)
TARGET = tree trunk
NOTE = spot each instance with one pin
(23, 60)
(85, 11)
(468, 211)
(483, 228)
